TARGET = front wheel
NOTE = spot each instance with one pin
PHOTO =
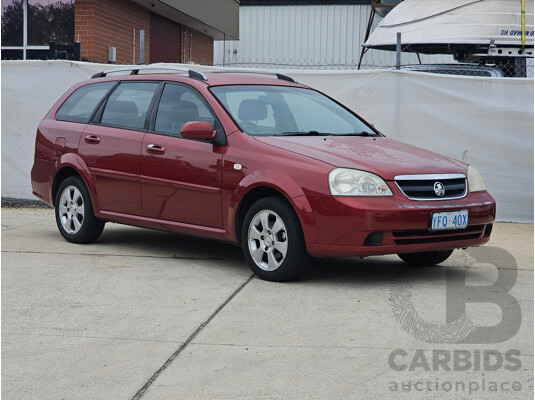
(74, 212)
(273, 241)
(426, 259)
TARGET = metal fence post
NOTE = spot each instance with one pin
(398, 50)
(52, 50)
(77, 51)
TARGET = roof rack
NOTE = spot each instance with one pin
(135, 71)
(237, 71)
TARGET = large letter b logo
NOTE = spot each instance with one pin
(459, 328)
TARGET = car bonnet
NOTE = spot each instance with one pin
(382, 156)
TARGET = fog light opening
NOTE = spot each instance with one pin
(374, 239)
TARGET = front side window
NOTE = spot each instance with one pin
(282, 110)
(178, 105)
(80, 105)
(128, 105)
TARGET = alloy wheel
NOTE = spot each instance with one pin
(71, 209)
(267, 240)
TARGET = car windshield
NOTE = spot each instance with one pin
(262, 110)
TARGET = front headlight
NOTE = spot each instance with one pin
(352, 182)
(475, 180)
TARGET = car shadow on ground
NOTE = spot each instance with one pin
(168, 243)
(372, 270)
(330, 270)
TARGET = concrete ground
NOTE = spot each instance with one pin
(149, 315)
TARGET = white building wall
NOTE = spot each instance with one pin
(316, 37)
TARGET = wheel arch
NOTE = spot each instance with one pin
(71, 165)
(251, 197)
(62, 174)
(248, 193)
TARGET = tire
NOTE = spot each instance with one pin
(273, 241)
(426, 259)
(74, 212)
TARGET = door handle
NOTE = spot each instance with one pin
(92, 139)
(155, 149)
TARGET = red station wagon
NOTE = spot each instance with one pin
(263, 161)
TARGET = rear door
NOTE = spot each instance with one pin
(180, 178)
(111, 146)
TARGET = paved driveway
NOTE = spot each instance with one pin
(150, 315)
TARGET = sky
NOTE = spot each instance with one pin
(43, 2)
(5, 3)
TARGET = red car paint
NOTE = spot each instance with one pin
(197, 187)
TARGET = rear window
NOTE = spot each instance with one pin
(80, 105)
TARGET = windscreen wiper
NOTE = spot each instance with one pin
(316, 133)
(363, 133)
(308, 133)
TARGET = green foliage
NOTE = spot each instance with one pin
(51, 22)
(12, 24)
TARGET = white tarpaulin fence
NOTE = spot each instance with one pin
(487, 122)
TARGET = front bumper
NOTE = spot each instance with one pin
(365, 226)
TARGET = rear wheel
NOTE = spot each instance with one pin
(273, 241)
(426, 259)
(74, 212)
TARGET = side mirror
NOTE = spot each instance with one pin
(197, 130)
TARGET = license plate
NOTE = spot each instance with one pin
(447, 220)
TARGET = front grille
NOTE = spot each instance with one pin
(432, 187)
(421, 237)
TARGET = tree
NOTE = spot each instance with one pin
(51, 22)
(12, 24)
(45, 23)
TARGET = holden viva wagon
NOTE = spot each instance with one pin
(276, 166)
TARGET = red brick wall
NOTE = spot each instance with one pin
(202, 51)
(84, 26)
(202, 47)
(100, 24)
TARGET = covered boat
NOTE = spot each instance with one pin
(471, 30)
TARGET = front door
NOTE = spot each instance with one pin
(181, 178)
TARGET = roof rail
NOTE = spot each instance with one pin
(135, 71)
(237, 71)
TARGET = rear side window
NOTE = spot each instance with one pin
(128, 105)
(80, 105)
